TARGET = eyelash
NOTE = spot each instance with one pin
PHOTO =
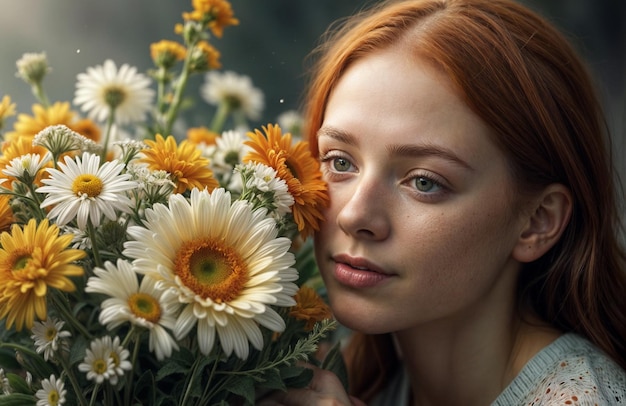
(327, 160)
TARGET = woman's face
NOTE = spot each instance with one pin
(423, 217)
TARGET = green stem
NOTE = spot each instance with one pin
(91, 231)
(70, 374)
(223, 110)
(134, 332)
(190, 381)
(40, 95)
(181, 84)
(107, 136)
(96, 388)
(68, 316)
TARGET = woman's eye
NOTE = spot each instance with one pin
(426, 185)
(341, 164)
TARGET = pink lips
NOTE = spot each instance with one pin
(357, 272)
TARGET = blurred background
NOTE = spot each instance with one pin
(269, 44)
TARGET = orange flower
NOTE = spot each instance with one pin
(297, 167)
(28, 126)
(216, 14)
(166, 53)
(309, 307)
(185, 163)
(202, 135)
(87, 128)
(6, 214)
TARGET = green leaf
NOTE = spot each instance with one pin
(244, 387)
(79, 349)
(18, 384)
(272, 380)
(17, 399)
(335, 363)
(7, 359)
(301, 380)
(170, 368)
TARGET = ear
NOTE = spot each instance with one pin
(549, 215)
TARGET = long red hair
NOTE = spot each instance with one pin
(523, 78)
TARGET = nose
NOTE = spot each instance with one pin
(365, 211)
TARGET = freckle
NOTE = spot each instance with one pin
(575, 398)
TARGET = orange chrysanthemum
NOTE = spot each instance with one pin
(309, 307)
(185, 163)
(298, 168)
(216, 14)
(87, 128)
(205, 57)
(6, 214)
(202, 135)
(32, 259)
(166, 53)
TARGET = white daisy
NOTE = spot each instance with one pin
(120, 356)
(291, 121)
(84, 190)
(98, 363)
(228, 151)
(105, 89)
(49, 337)
(25, 168)
(140, 305)
(222, 263)
(52, 392)
(265, 189)
(235, 90)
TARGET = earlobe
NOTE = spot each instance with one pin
(546, 223)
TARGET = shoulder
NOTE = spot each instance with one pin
(570, 371)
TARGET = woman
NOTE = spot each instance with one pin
(471, 239)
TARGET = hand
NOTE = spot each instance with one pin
(324, 389)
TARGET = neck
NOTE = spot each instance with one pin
(470, 362)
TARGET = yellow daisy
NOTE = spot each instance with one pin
(214, 14)
(6, 214)
(296, 166)
(32, 259)
(310, 307)
(185, 164)
(7, 109)
(28, 126)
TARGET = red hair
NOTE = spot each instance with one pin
(521, 76)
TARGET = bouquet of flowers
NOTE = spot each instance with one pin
(138, 268)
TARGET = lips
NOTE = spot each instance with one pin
(357, 272)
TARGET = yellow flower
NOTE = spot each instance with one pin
(28, 126)
(309, 307)
(31, 260)
(87, 128)
(214, 14)
(185, 163)
(297, 167)
(7, 109)
(6, 214)
(166, 53)
(202, 135)
(204, 57)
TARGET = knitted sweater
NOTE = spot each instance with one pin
(569, 371)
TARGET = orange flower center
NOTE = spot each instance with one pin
(145, 306)
(87, 184)
(211, 269)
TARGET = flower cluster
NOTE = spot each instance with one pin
(143, 266)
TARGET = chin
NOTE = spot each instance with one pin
(356, 317)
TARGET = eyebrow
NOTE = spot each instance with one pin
(407, 150)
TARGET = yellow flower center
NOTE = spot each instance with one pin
(53, 397)
(145, 306)
(211, 269)
(116, 358)
(100, 366)
(50, 333)
(87, 184)
(114, 96)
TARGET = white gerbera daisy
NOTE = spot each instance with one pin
(84, 190)
(235, 90)
(99, 365)
(104, 90)
(52, 392)
(49, 337)
(222, 262)
(140, 305)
